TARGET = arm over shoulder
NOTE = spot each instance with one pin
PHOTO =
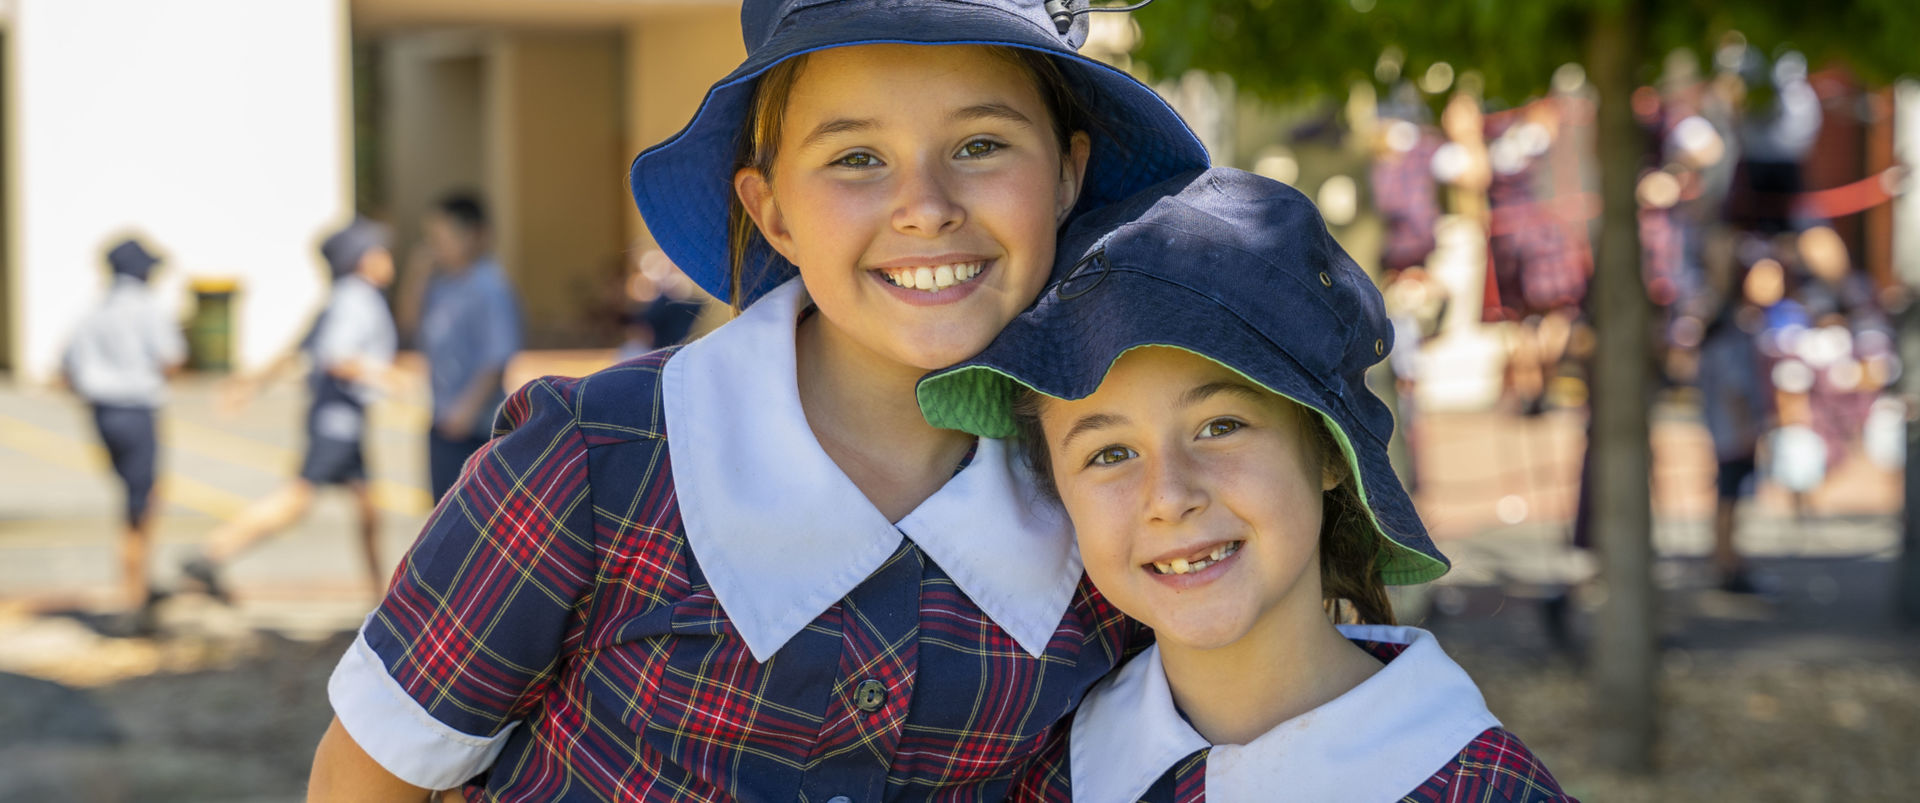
(483, 610)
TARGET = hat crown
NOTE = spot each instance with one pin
(345, 248)
(130, 258)
(1255, 248)
(760, 20)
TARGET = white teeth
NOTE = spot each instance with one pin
(933, 277)
(1184, 566)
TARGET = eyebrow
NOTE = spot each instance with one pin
(978, 111)
(1209, 390)
(992, 111)
(1199, 393)
(840, 126)
(1097, 421)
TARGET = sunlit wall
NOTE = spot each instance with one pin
(217, 128)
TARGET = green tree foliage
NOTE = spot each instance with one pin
(1293, 49)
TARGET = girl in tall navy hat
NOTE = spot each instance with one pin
(1192, 388)
(748, 568)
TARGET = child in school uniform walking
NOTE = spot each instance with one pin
(349, 351)
(1192, 386)
(746, 568)
(118, 361)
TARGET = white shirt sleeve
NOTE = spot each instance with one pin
(397, 732)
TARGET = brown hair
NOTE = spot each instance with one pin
(759, 142)
(1351, 551)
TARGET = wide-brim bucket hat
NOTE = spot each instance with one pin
(684, 186)
(1228, 265)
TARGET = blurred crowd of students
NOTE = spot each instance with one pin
(1761, 306)
(454, 303)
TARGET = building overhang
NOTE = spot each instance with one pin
(378, 15)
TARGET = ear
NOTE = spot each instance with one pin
(1073, 174)
(1333, 472)
(756, 194)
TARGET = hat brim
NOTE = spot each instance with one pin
(684, 186)
(1066, 356)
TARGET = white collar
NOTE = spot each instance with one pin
(1379, 741)
(782, 534)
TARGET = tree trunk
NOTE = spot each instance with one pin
(1624, 658)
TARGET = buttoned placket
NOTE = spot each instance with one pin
(879, 657)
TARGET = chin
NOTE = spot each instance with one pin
(934, 354)
(1199, 633)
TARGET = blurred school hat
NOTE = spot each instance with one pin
(1233, 267)
(130, 258)
(344, 249)
(684, 186)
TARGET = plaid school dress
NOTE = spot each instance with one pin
(1373, 744)
(567, 628)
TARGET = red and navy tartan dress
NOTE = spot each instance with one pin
(598, 612)
(1418, 731)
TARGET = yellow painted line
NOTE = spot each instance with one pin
(388, 495)
(89, 457)
(400, 416)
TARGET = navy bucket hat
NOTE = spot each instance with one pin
(131, 258)
(347, 246)
(684, 186)
(1233, 267)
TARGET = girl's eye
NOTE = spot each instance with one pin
(979, 148)
(856, 160)
(1219, 427)
(1111, 455)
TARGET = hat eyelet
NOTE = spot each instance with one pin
(1087, 278)
(1379, 347)
(1325, 280)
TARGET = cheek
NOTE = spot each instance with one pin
(1099, 523)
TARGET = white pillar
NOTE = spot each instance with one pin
(1906, 208)
(217, 129)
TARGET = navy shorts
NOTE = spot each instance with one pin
(134, 451)
(335, 427)
(1734, 480)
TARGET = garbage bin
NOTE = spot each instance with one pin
(210, 330)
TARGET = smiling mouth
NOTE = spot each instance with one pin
(1197, 561)
(932, 278)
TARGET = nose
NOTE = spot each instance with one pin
(925, 203)
(1176, 490)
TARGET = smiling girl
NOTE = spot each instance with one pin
(747, 568)
(1192, 387)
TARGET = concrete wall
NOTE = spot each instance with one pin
(671, 60)
(219, 128)
(434, 124)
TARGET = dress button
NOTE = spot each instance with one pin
(839, 799)
(869, 696)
